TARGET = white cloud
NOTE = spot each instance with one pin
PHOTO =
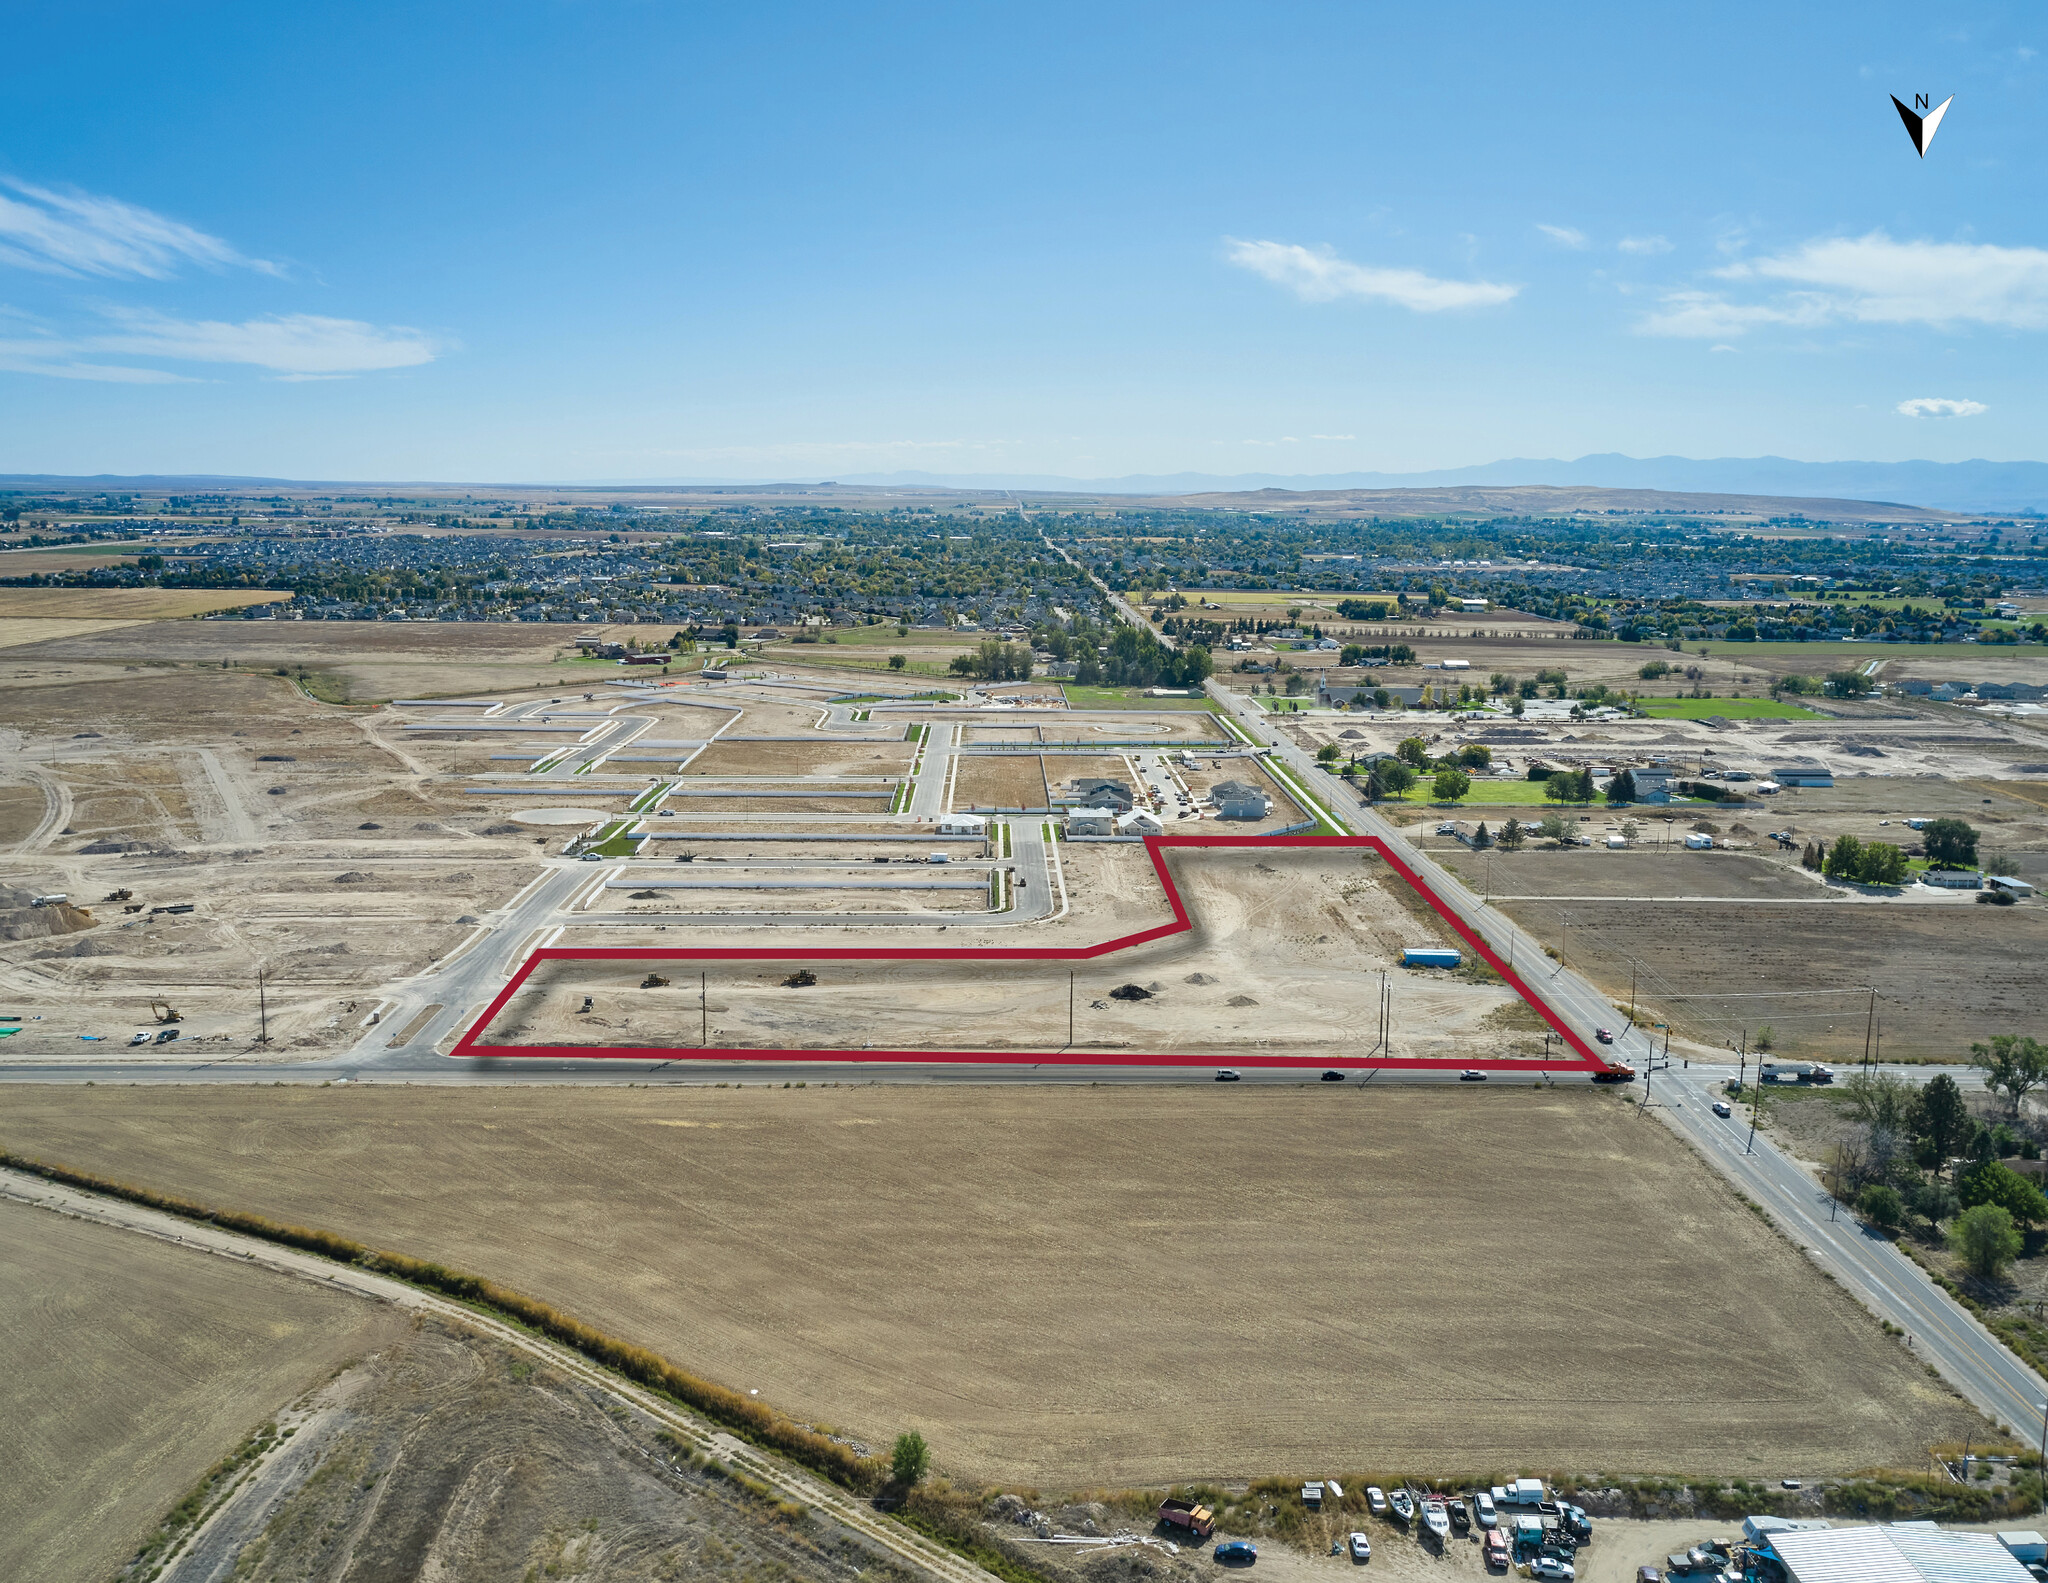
(1565, 235)
(1644, 244)
(292, 343)
(1870, 280)
(78, 233)
(293, 347)
(1333, 436)
(1939, 407)
(1875, 280)
(1319, 275)
(1707, 316)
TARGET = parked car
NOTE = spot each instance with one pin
(1649, 1575)
(1333, 1077)
(1361, 1548)
(1577, 1523)
(1551, 1567)
(167, 1036)
(1471, 1074)
(1723, 1108)
(1604, 1035)
(1236, 1552)
(1482, 1503)
(143, 1037)
(1376, 1498)
(1461, 1517)
(1496, 1552)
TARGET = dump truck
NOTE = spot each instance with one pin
(1186, 1514)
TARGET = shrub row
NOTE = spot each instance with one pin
(743, 1414)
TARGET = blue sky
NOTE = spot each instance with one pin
(628, 241)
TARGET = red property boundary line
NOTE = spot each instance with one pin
(469, 1047)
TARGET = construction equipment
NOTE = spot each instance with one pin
(585, 1006)
(117, 895)
(163, 1011)
(654, 981)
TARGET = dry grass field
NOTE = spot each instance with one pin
(1945, 975)
(127, 604)
(1078, 1287)
(127, 1368)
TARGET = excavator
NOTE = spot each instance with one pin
(163, 1011)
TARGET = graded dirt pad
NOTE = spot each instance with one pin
(130, 1368)
(1285, 959)
(1004, 782)
(1072, 1287)
(1945, 975)
(822, 756)
(447, 1455)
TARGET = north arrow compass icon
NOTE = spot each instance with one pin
(1920, 121)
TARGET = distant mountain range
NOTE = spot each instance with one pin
(1974, 487)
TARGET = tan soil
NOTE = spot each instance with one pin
(130, 1368)
(1073, 1287)
(1004, 782)
(1303, 933)
(130, 604)
(822, 757)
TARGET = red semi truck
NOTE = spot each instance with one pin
(1186, 1514)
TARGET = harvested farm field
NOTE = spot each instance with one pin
(1036, 1279)
(127, 604)
(128, 1368)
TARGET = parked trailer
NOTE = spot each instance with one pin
(1187, 1514)
(1796, 1072)
(1430, 956)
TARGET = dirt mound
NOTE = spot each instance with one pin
(85, 947)
(502, 829)
(100, 848)
(354, 876)
(23, 922)
(1240, 1000)
(1198, 978)
(1130, 992)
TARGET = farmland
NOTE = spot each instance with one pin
(1049, 1257)
(125, 604)
(132, 1368)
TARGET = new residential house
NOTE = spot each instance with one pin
(1239, 800)
(1100, 793)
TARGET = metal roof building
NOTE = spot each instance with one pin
(1896, 1553)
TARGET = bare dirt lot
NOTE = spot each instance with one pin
(1285, 959)
(1596, 872)
(1005, 782)
(129, 1369)
(822, 756)
(1069, 1287)
(126, 604)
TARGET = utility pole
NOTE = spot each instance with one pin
(1755, 1100)
(1070, 1008)
(1869, 1028)
(262, 1011)
(704, 1010)
(1632, 1001)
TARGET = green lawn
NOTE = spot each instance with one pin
(1283, 706)
(1486, 794)
(886, 636)
(1727, 708)
(1123, 698)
